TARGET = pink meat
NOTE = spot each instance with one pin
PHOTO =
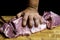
(14, 27)
(26, 30)
(52, 19)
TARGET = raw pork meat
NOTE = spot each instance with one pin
(14, 27)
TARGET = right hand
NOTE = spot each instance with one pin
(32, 15)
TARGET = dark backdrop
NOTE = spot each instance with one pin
(12, 7)
(49, 5)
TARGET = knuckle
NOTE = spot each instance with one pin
(18, 15)
(35, 17)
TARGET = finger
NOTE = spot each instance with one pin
(30, 21)
(25, 18)
(36, 20)
(19, 14)
(40, 20)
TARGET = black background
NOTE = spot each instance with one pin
(49, 5)
(12, 7)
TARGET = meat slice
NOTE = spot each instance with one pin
(55, 19)
(52, 19)
(7, 30)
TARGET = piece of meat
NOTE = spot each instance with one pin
(19, 29)
(52, 19)
(26, 30)
(39, 28)
(14, 27)
(18, 26)
(8, 30)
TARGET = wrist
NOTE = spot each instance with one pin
(32, 8)
(34, 4)
(36, 8)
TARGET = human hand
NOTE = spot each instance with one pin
(30, 15)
